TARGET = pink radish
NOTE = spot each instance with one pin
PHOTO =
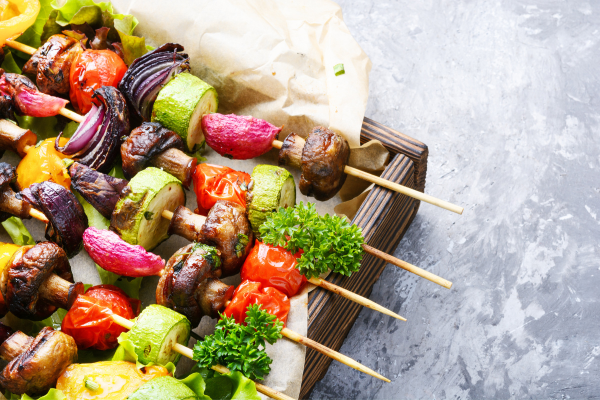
(237, 136)
(114, 254)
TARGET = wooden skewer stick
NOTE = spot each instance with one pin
(277, 144)
(189, 353)
(415, 194)
(334, 288)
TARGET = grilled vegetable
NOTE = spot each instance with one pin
(9, 202)
(26, 99)
(237, 136)
(92, 70)
(35, 364)
(115, 380)
(180, 106)
(148, 74)
(43, 163)
(155, 332)
(14, 138)
(97, 140)
(214, 182)
(66, 215)
(17, 16)
(113, 254)
(249, 293)
(165, 387)
(137, 216)
(271, 188)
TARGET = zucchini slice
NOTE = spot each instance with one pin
(155, 332)
(137, 216)
(180, 106)
(271, 188)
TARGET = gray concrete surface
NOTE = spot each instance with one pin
(505, 94)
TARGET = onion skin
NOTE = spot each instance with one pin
(27, 99)
(149, 73)
(103, 148)
(67, 218)
(237, 136)
(100, 190)
(114, 254)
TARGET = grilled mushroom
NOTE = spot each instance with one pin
(14, 138)
(228, 229)
(324, 155)
(152, 144)
(189, 284)
(37, 280)
(9, 203)
(100, 190)
(51, 64)
(66, 216)
(35, 364)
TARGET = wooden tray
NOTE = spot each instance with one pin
(384, 218)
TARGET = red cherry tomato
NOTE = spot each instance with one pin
(89, 322)
(271, 299)
(273, 266)
(215, 182)
(92, 70)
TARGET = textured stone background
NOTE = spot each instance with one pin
(505, 94)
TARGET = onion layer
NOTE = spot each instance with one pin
(27, 99)
(97, 140)
(149, 73)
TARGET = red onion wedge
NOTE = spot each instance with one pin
(114, 254)
(237, 136)
(149, 73)
(97, 141)
(27, 99)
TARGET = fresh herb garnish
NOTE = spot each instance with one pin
(148, 215)
(90, 384)
(212, 255)
(328, 242)
(241, 347)
(338, 69)
(242, 242)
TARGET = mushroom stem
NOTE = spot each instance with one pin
(14, 138)
(177, 163)
(9, 203)
(291, 150)
(14, 345)
(185, 223)
(59, 292)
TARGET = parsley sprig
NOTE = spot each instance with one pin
(329, 242)
(241, 347)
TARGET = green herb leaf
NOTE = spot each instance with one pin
(240, 347)
(90, 384)
(242, 242)
(148, 215)
(210, 255)
(329, 242)
(18, 232)
(338, 69)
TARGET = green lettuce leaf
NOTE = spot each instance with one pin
(53, 394)
(196, 383)
(9, 64)
(232, 386)
(18, 232)
(126, 352)
(32, 36)
(133, 46)
(44, 128)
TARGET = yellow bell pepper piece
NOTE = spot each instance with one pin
(16, 16)
(43, 163)
(6, 252)
(107, 380)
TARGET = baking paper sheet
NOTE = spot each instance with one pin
(273, 60)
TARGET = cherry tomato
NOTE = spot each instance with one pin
(215, 182)
(89, 322)
(273, 266)
(271, 299)
(92, 70)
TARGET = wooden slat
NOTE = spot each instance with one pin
(384, 217)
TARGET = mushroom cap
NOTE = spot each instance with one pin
(189, 286)
(22, 277)
(7, 175)
(144, 142)
(324, 157)
(38, 367)
(227, 228)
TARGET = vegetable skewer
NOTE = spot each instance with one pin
(189, 353)
(199, 220)
(300, 143)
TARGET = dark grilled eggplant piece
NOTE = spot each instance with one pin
(51, 64)
(67, 218)
(100, 190)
